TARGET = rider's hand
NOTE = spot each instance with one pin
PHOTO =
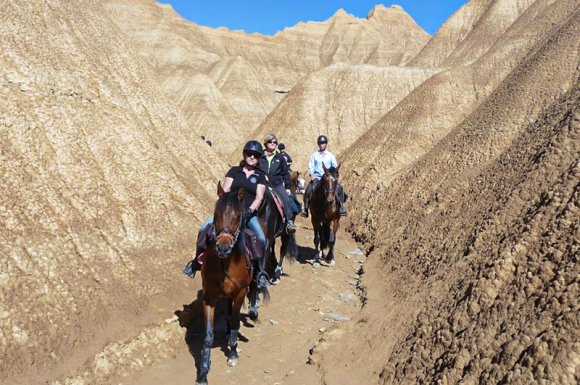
(288, 192)
(249, 213)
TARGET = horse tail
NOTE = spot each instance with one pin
(265, 294)
(291, 248)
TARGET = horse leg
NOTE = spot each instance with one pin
(254, 302)
(278, 271)
(317, 232)
(331, 242)
(235, 327)
(209, 301)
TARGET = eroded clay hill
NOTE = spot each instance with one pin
(341, 101)
(101, 187)
(463, 165)
(227, 82)
(473, 273)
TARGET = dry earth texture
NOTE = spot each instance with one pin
(461, 154)
(227, 82)
(101, 186)
(474, 231)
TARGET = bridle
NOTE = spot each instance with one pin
(226, 232)
(329, 190)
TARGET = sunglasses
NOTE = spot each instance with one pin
(251, 155)
(273, 142)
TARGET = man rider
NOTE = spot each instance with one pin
(316, 171)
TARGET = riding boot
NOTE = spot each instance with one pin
(341, 195)
(290, 226)
(306, 202)
(191, 268)
(262, 278)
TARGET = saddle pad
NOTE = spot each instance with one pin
(253, 246)
(278, 203)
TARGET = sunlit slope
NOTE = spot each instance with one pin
(470, 32)
(252, 72)
(340, 101)
(102, 184)
(473, 274)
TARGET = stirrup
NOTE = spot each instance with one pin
(188, 270)
(262, 279)
(290, 227)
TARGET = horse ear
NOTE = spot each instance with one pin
(324, 167)
(241, 193)
(220, 190)
(338, 169)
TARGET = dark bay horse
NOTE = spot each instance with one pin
(275, 227)
(226, 273)
(325, 214)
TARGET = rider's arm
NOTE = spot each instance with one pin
(260, 191)
(333, 162)
(288, 160)
(227, 185)
(285, 172)
(311, 165)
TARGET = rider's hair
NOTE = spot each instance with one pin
(257, 166)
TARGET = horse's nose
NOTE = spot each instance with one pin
(223, 250)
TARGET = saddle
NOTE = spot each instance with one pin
(278, 201)
(252, 245)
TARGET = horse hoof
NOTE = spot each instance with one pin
(331, 262)
(253, 314)
(232, 362)
(316, 265)
(275, 281)
(202, 382)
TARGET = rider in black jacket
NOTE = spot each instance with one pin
(275, 167)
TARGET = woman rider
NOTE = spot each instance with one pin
(249, 176)
(277, 170)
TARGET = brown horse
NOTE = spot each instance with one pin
(226, 273)
(325, 214)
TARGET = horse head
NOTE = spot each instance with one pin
(228, 220)
(329, 183)
(298, 183)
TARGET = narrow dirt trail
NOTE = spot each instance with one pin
(306, 307)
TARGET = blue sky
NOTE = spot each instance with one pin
(267, 17)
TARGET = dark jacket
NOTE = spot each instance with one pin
(277, 170)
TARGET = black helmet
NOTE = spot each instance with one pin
(281, 146)
(322, 139)
(254, 146)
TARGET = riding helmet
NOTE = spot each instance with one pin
(322, 139)
(254, 146)
(281, 146)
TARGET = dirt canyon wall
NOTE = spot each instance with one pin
(101, 185)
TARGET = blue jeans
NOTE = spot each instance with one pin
(253, 224)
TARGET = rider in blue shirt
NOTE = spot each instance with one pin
(316, 171)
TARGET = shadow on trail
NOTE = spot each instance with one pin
(307, 255)
(191, 318)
